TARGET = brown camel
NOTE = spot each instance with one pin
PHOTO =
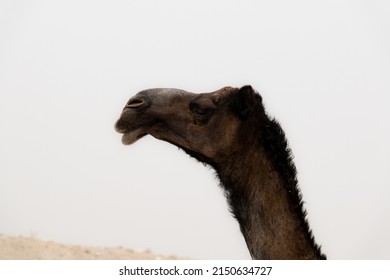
(229, 130)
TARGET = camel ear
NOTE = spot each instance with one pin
(245, 101)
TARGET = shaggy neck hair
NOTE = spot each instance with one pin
(260, 182)
(262, 170)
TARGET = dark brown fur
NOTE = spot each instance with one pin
(229, 130)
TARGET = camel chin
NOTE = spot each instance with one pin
(131, 137)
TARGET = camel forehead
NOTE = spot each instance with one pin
(227, 89)
(214, 97)
(222, 91)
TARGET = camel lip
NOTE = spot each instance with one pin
(121, 129)
(130, 137)
(123, 126)
(131, 130)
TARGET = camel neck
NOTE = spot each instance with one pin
(268, 210)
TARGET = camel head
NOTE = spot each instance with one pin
(207, 125)
(229, 130)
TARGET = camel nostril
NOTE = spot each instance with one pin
(135, 103)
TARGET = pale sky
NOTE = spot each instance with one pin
(68, 67)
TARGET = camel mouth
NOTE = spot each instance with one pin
(131, 133)
(131, 137)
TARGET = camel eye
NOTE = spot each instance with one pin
(200, 111)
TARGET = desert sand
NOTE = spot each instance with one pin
(27, 248)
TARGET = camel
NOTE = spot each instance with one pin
(230, 131)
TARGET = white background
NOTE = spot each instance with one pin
(68, 67)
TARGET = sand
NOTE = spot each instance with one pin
(27, 248)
